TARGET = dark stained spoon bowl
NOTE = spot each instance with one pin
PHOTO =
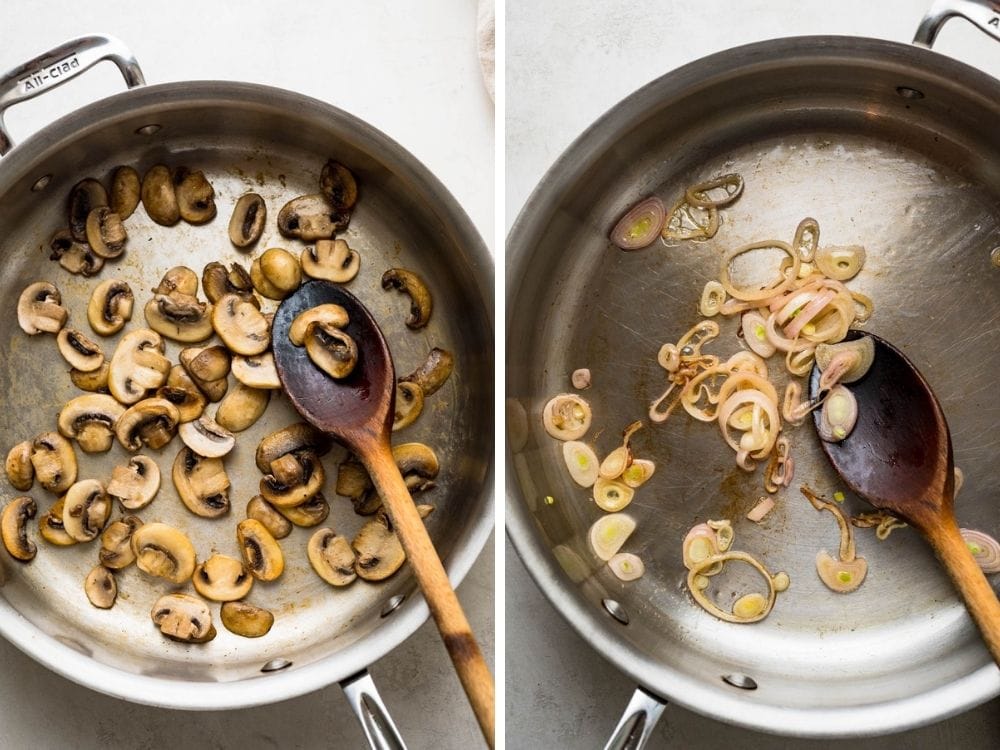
(899, 458)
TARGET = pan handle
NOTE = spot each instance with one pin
(636, 725)
(59, 65)
(379, 729)
(983, 13)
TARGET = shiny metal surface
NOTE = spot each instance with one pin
(984, 14)
(818, 127)
(244, 137)
(367, 704)
(637, 723)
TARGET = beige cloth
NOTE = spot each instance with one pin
(486, 33)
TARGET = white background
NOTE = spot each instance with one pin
(409, 69)
(568, 61)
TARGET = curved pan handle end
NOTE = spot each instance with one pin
(983, 13)
(636, 725)
(379, 729)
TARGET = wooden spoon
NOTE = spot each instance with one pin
(899, 459)
(358, 412)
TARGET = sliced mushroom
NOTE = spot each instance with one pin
(329, 314)
(201, 483)
(178, 279)
(110, 306)
(206, 364)
(14, 528)
(86, 510)
(246, 619)
(184, 393)
(136, 483)
(260, 510)
(206, 437)
(261, 553)
(181, 317)
(287, 469)
(158, 196)
(283, 495)
(338, 185)
(276, 273)
(163, 551)
(434, 371)
(125, 190)
(311, 513)
(106, 234)
(413, 286)
(91, 420)
(408, 405)
(75, 257)
(257, 372)
(242, 407)
(54, 461)
(247, 222)
(116, 543)
(218, 282)
(50, 526)
(378, 549)
(20, 472)
(80, 352)
(95, 382)
(40, 310)
(101, 587)
(294, 438)
(195, 196)
(331, 350)
(354, 483)
(137, 366)
(311, 217)
(418, 464)
(84, 197)
(332, 557)
(152, 422)
(183, 618)
(333, 260)
(222, 579)
(241, 326)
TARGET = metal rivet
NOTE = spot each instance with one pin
(740, 680)
(276, 665)
(995, 257)
(148, 129)
(392, 605)
(616, 610)
(41, 183)
(907, 93)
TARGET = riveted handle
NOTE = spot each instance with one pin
(636, 725)
(59, 65)
(982, 13)
(379, 729)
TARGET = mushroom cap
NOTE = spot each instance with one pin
(260, 510)
(332, 557)
(14, 527)
(276, 273)
(125, 189)
(296, 437)
(378, 549)
(286, 495)
(40, 310)
(86, 510)
(218, 282)
(163, 551)
(75, 257)
(311, 217)
(201, 483)
(332, 260)
(54, 462)
(20, 472)
(92, 382)
(206, 437)
(206, 364)
(51, 528)
(261, 553)
(184, 393)
(331, 349)
(183, 618)
(408, 405)
(84, 197)
(116, 543)
(195, 196)
(91, 419)
(110, 306)
(241, 326)
(247, 222)
(80, 352)
(106, 234)
(416, 459)
(241, 407)
(310, 513)
(178, 316)
(337, 183)
(245, 619)
(222, 579)
(158, 196)
(410, 284)
(258, 371)
(101, 587)
(136, 483)
(178, 279)
(152, 422)
(330, 314)
(137, 366)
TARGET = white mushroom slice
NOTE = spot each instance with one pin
(581, 461)
(93, 382)
(116, 543)
(181, 317)
(86, 510)
(276, 273)
(201, 483)
(433, 372)
(84, 197)
(152, 422)
(331, 349)
(256, 372)
(109, 307)
(608, 534)
(206, 437)
(179, 279)
(410, 284)
(408, 405)
(378, 549)
(222, 579)
(20, 472)
(14, 528)
(137, 366)
(158, 196)
(136, 483)
(106, 234)
(163, 551)
(80, 352)
(311, 217)
(183, 618)
(246, 619)
(292, 439)
(181, 390)
(612, 495)
(260, 510)
(195, 196)
(311, 513)
(50, 526)
(626, 566)
(332, 260)
(241, 326)
(566, 417)
(261, 553)
(101, 587)
(247, 222)
(242, 407)
(40, 310)
(332, 557)
(330, 314)
(54, 462)
(308, 483)
(91, 419)
(125, 188)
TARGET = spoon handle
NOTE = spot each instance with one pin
(433, 580)
(980, 599)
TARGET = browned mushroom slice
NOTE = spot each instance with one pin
(125, 191)
(158, 196)
(418, 464)
(294, 438)
(86, 510)
(353, 482)
(288, 469)
(137, 366)
(311, 217)
(184, 393)
(222, 579)
(116, 543)
(101, 587)
(183, 618)
(258, 371)
(283, 495)
(54, 461)
(311, 513)
(332, 260)
(136, 483)
(20, 472)
(91, 420)
(40, 310)
(247, 222)
(152, 422)
(331, 350)
(218, 282)
(206, 437)
(195, 196)
(94, 382)
(261, 553)
(75, 257)
(338, 185)
(106, 234)
(163, 551)
(206, 364)
(242, 407)
(329, 314)
(433, 372)
(84, 197)
(276, 273)
(409, 403)
(201, 483)
(260, 510)
(332, 557)
(246, 619)
(178, 279)
(410, 284)
(14, 528)
(181, 317)
(241, 326)
(50, 526)
(110, 306)
(379, 552)
(80, 352)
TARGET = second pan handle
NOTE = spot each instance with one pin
(636, 725)
(379, 729)
(983, 13)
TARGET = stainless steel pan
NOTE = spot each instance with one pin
(245, 137)
(891, 146)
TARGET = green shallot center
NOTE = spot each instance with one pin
(640, 228)
(844, 577)
(700, 549)
(838, 496)
(760, 332)
(974, 548)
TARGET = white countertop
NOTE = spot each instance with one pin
(414, 74)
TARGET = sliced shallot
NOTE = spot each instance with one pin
(566, 417)
(838, 416)
(626, 566)
(640, 226)
(612, 495)
(760, 510)
(984, 548)
(609, 533)
(581, 461)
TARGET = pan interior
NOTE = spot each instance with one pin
(814, 132)
(244, 139)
